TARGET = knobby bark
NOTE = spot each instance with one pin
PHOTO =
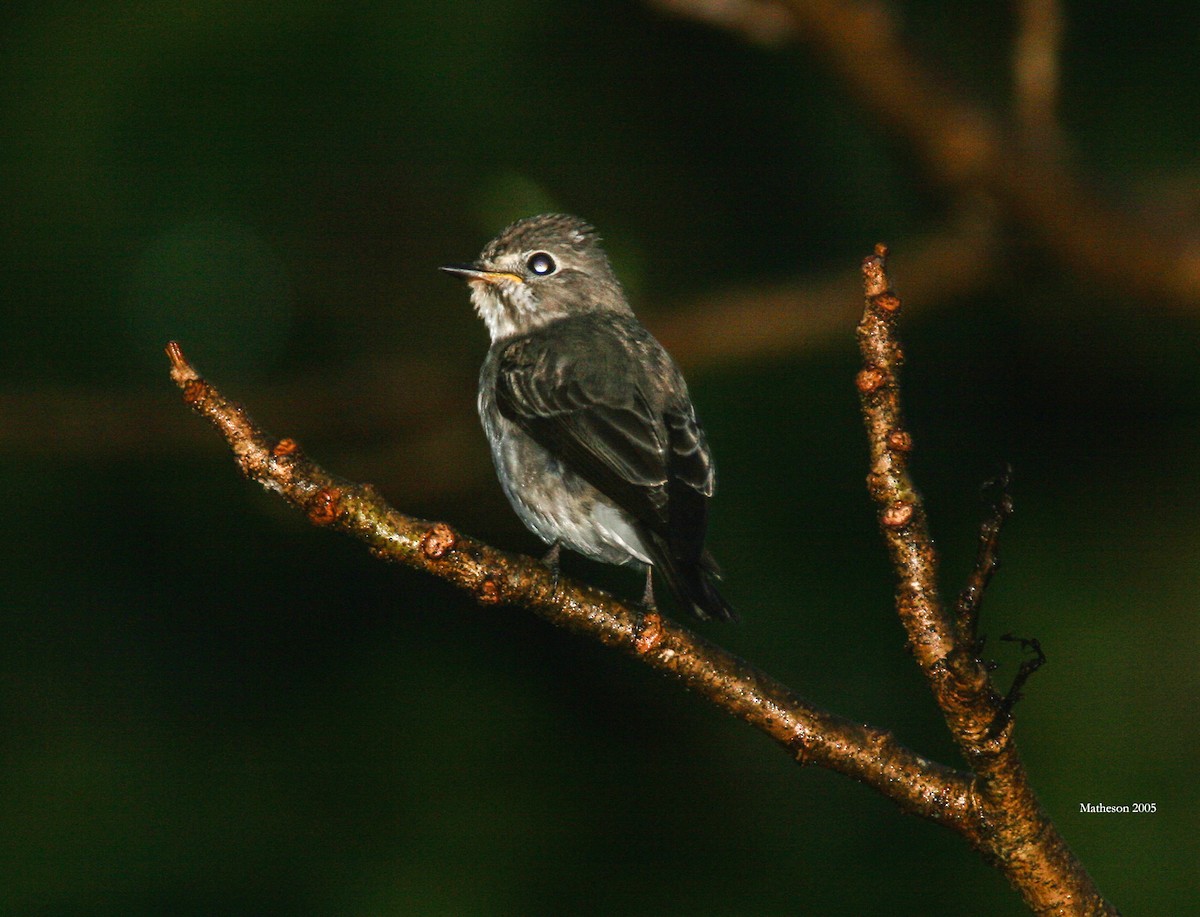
(991, 804)
(1014, 831)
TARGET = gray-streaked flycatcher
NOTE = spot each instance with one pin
(593, 433)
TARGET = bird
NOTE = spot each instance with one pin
(592, 431)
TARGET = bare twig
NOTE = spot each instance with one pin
(1020, 838)
(1028, 666)
(987, 560)
(494, 578)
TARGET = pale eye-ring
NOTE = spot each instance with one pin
(541, 264)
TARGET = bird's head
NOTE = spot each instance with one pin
(538, 270)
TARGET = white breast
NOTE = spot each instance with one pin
(555, 503)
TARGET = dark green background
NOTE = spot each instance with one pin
(208, 707)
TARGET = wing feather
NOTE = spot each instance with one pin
(599, 393)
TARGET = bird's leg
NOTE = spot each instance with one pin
(550, 559)
(648, 595)
(650, 629)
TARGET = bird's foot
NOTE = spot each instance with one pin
(650, 631)
(550, 559)
(648, 595)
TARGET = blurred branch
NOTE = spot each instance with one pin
(967, 148)
(99, 423)
(1019, 838)
(1036, 74)
(493, 578)
(372, 402)
(790, 318)
(763, 22)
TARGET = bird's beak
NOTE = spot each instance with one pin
(473, 274)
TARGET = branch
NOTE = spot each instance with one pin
(790, 318)
(492, 577)
(773, 322)
(762, 22)
(987, 561)
(993, 806)
(1020, 838)
(966, 147)
(1036, 79)
(1028, 666)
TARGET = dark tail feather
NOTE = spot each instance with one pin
(693, 583)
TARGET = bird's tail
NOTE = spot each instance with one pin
(693, 582)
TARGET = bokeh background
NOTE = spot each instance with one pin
(209, 707)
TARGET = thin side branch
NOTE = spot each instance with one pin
(1019, 838)
(810, 735)
(987, 561)
(1028, 666)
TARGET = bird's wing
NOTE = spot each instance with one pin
(606, 400)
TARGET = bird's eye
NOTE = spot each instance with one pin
(541, 264)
